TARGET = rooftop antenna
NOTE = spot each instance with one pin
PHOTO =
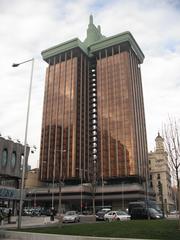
(91, 19)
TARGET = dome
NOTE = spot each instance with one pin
(159, 138)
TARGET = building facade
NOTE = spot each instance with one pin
(93, 123)
(11, 156)
(160, 176)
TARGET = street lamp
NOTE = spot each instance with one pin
(25, 138)
(122, 191)
(81, 177)
(102, 191)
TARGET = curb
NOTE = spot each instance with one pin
(44, 236)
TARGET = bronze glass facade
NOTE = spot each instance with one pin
(121, 123)
(63, 140)
(93, 117)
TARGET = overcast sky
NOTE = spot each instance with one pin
(29, 26)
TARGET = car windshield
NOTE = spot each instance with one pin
(152, 210)
(104, 210)
(121, 213)
(70, 213)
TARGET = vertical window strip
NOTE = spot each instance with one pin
(75, 88)
(63, 113)
(69, 147)
(43, 139)
(126, 117)
(51, 93)
(122, 114)
(57, 113)
(138, 103)
(109, 146)
(84, 111)
(80, 126)
(88, 143)
(136, 117)
(99, 79)
(144, 137)
(115, 114)
(119, 110)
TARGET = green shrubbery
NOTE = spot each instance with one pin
(153, 229)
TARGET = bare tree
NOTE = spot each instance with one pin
(171, 134)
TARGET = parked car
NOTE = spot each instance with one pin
(174, 212)
(70, 217)
(35, 212)
(46, 211)
(27, 212)
(145, 213)
(116, 216)
(143, 204)
(100, 214)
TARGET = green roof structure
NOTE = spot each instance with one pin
(94, 41)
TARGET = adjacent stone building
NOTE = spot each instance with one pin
(160, 177)
(11, 156)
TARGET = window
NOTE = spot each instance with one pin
(4, 157)
(13, 159)
(22, 160)
(158, 176)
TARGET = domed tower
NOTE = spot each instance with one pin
(159, 143)
(160, 174)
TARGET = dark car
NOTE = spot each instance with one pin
(100, 214)
(145, 213)
(46, 211)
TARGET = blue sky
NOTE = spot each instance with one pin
(28, 27)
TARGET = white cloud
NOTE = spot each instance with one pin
(28, 27)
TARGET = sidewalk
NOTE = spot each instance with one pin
(28, 221)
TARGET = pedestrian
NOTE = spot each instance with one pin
(114, 216)
(1, 217)
(9, 216)
(52, 214)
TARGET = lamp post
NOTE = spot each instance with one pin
(81, 189)
(81, 177)
(102, 190)
(25, 138)
(122, 189)
(52, 203)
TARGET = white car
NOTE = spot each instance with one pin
(116, 216)
(70, 217)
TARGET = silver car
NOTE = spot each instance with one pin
(116, 216)
(71, 217)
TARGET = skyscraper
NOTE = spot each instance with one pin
(93, 115)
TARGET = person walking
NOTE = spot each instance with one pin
(9, 216)
(1, 217)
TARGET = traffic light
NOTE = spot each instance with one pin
(160, 187)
